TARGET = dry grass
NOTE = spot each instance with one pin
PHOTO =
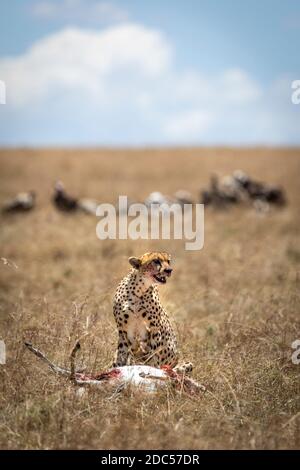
(235, 305)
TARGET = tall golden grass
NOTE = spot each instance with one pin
(234, 304)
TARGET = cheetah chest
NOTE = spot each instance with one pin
(137, 326)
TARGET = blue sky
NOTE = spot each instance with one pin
(93, 72)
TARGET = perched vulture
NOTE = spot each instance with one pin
(67, 203)
(89, 206)
(62, 200)
(22, 202)
(260, 191)
(219, 195)
(183, 197)
(157, 198)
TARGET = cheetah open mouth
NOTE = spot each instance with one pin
(161, 279)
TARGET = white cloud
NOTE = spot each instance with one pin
(121, 85)
(188, 125)
(79, 11)
(232, 86)
(76, 61)
(238, 88)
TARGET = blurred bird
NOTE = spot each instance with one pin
(62, 200)
(159, 200)
(219, 195)
(183, 197)
(22, 202)
(89, 206)
(66, 203)
(260, 191)
(232, 189)
(156, 198)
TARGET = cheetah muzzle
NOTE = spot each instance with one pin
(160, 279)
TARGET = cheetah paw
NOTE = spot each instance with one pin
(185, 368)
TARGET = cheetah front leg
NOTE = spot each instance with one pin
(122, 352)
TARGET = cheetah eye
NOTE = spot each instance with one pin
(157, 261)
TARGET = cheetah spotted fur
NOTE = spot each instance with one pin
(146, 335)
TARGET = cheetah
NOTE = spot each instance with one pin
(145, 332)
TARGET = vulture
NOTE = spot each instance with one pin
(258, 191)
(162, 201)
(66, 203)
(22, 202)
(62, 200)
(219, 195)
(183, 197)
(157, 198)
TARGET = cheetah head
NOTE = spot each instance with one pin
(154, 266)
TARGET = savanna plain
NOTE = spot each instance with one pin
(234, 304)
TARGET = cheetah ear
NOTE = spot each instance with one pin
(135, 262)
